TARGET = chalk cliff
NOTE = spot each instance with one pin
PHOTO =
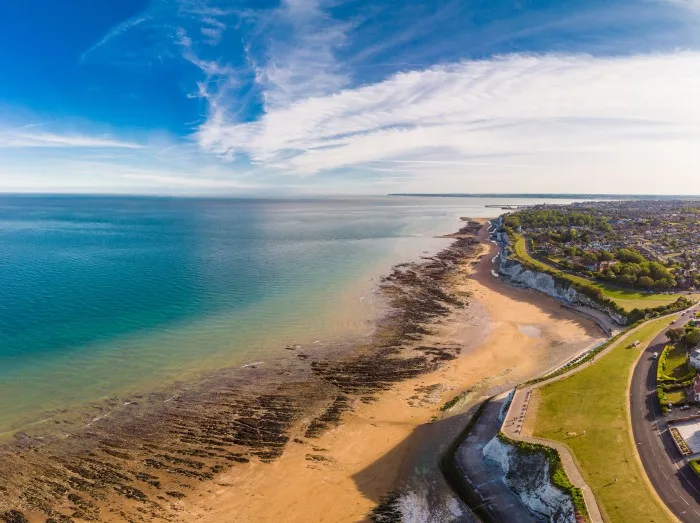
(527, 475)
(543, 282)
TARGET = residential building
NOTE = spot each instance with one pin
(695, 357)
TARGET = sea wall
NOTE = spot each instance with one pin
(546, 284)
(527, 474)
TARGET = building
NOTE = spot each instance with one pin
(604, 265)
(694, 359)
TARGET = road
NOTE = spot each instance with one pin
(676, 484)
(486, 478)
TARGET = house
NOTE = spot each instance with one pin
(696, 388)
(604, 265)
(694, 359)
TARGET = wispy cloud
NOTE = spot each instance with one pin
(688, 4)
(547, 110)
(115, 32)
(20, 138)
(301, 60)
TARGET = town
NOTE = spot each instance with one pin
(644, 245)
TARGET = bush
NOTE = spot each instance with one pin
(695, 466)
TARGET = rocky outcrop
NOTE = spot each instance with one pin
(546, 284)
(527, 474)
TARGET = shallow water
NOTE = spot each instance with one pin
(105, 295)
(530, 331)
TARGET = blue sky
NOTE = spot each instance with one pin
(355, 97)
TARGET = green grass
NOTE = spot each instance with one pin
(676, 397)
(628, 299)
(594, 400)
(673, 364)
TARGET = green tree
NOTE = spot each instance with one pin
(675, 335)
(692, 337)
(646, 281)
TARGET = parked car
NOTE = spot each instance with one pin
(685, 407)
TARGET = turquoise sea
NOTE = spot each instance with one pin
(100, 296)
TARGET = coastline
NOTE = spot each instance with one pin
(395, 443)
(367, 433)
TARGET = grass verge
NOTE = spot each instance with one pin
(594, 400)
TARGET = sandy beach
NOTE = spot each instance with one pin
(508, 335)
(324, 434)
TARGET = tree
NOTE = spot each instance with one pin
(675, 335)
(646, 281)
(692, 337)
(589, 258)
(628, 279)
(630, 255)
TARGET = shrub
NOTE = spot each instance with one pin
(695, 466)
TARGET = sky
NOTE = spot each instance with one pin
(304, 97)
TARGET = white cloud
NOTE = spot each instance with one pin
(116, 31)
(300, 60)
(20, 138)
(627, 116)
(688, 4)
(60, 174)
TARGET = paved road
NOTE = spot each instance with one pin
(673, 480)
(486, 478)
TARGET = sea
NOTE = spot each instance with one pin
(102, 296)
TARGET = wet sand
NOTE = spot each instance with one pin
(320, 435)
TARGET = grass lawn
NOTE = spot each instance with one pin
(674, 364)
(628, 299)
(676, 396)
(594, 400)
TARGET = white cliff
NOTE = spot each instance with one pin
(546, 284)
(527, 475)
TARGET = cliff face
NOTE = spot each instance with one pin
(527, 475)
(545, 283)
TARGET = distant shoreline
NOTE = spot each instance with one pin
(554, 196)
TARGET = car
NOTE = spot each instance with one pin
(655, 355)
(685, 407)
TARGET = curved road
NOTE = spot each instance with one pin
(675, 483)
